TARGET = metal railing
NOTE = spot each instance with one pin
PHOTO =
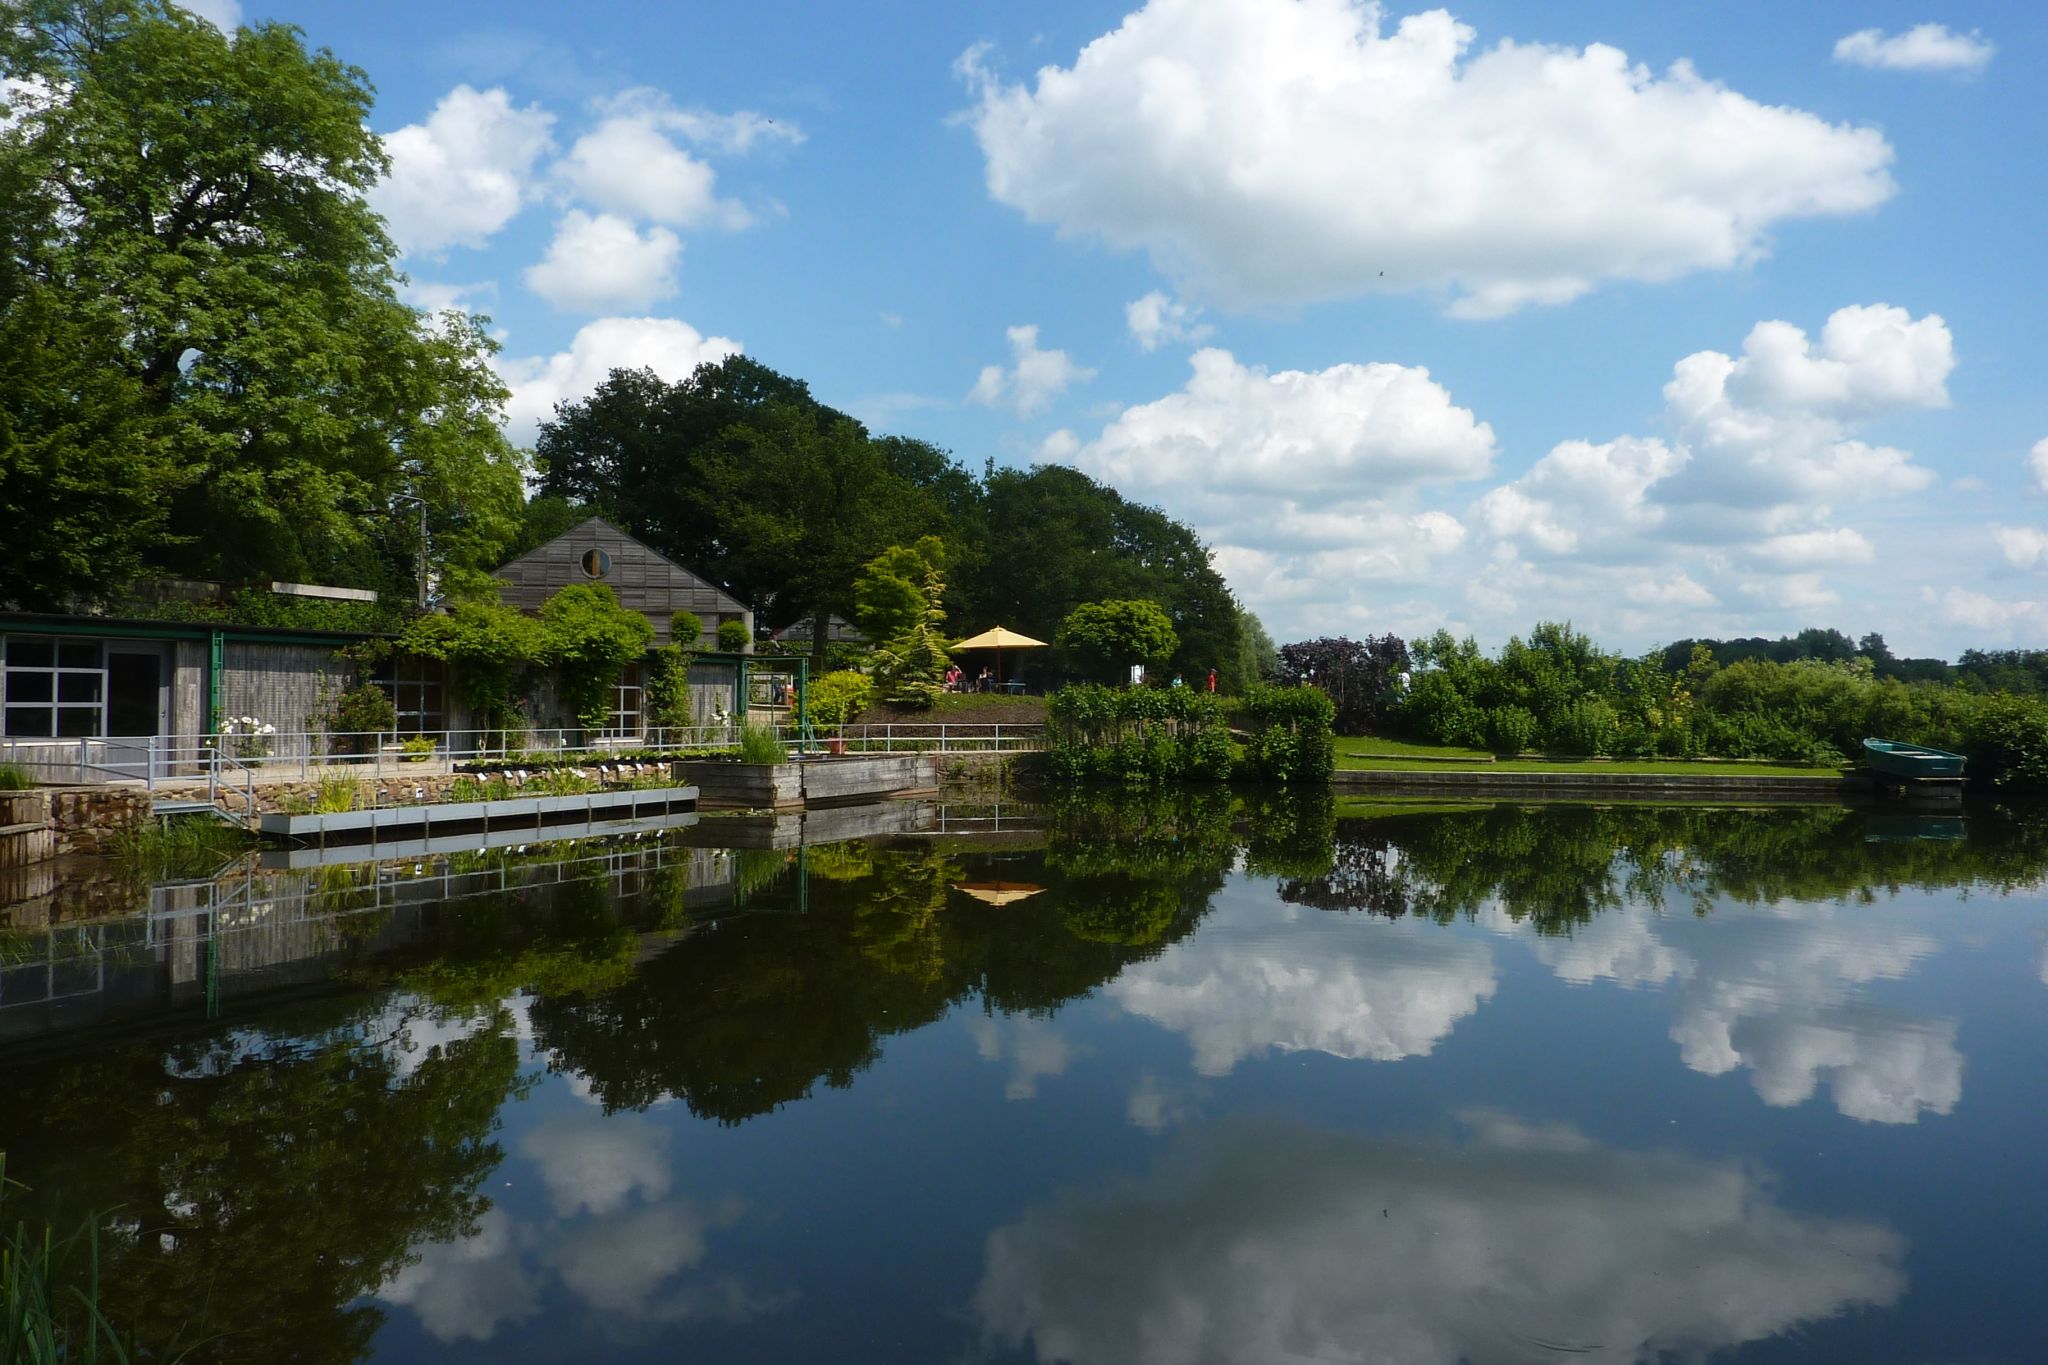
(936, 738)
(244, 762)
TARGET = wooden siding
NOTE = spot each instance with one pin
(645, 581)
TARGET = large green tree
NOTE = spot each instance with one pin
(191, 204)
(806, 508)
(636, 450)
(1056, 538)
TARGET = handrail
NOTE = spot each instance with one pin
(303, 755)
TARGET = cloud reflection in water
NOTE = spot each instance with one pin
(1281, 1243)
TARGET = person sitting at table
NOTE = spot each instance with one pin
(986, 682)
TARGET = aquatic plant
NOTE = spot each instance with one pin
(188, 846)
(758, 744)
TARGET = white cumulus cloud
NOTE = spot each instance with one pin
(1158, 319)
(2023, 546)
(1033, 378)
(1282, 153)
(1350, 431)
(1924, 47)
(2037, 464)
(1985, 614)
(668, 346)
(603, 264)
(630, 163)
(459, 177)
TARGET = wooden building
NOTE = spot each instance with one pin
(657, 587)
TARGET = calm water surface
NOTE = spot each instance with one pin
(1182, 1079)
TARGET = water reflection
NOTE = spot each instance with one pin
(518, 1106)
(249, 1208)
(1239, 988)
(1520, 1242)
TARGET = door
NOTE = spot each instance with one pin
(135, 693)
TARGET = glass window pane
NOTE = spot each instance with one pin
(79, 654)
(29, 686)
(28, 722)
(31, 653)
(76, 722)
(78, 687)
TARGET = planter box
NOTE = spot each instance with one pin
(791, 786)
(743, 786)
(519, 815)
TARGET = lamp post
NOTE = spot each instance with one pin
(400, 499)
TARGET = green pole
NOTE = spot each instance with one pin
(216, 665)
(739, 709)
(804, 738)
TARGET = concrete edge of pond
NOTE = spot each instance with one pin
(724, 785)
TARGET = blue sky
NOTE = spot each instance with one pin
(1677, 319)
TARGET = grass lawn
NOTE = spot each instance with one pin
(1703, 768)
(1362, 745)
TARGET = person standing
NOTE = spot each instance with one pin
(1212, 680)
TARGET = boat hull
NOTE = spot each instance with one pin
(1910, 760)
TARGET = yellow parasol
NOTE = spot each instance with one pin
(1000, 638)
(999, 893)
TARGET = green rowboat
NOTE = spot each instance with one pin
(1910, 760)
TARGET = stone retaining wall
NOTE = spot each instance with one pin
(52, 821)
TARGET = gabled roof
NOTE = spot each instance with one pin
(632, 569)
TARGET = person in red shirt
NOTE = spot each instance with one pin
(1212, 680)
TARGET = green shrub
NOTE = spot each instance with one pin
(1510, 729)
(358, 716)
(758, 744)
(685, 630)
(1293, 735)
(591, 638)
(418, 749)
(15, 778)
(668, 686)
(2007, 744)
(1587, 725)
(1438, 713)
(732, 636)
(1136, 735)
(837, 698)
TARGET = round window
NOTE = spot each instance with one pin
(596, 563)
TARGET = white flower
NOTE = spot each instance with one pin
(268, 730)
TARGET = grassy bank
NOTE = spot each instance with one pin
(1371, 754)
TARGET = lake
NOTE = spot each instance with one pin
(1194, 1077)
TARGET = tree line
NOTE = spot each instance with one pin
(740, 473)
(207, 371)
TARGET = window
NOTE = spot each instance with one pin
(416, 692)
(628, 695)
(53, 688)
(596, 563)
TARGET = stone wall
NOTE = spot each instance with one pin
(93, 819)
(51, 821)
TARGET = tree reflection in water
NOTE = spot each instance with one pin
(258, 1182)
(267, 1174)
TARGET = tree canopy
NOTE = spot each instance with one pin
(740, 473)
(209, 370)
(1105, 638)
